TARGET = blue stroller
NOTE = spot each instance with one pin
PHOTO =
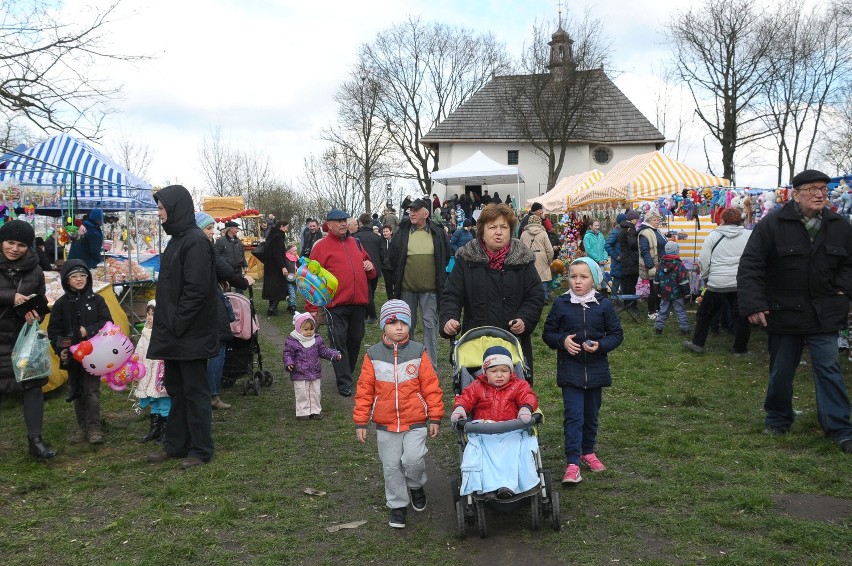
(500, 461)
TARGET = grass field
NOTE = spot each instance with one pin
(691, 478)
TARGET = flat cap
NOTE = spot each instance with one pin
(418, 204)
(336, 214)
(809, 176)
(231, 224)
(631, 215)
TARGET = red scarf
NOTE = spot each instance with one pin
(497, 259)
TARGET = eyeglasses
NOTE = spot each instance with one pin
(814, 191)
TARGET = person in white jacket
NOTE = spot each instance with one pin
(719, 261)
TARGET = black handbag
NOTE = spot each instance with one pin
(259, 251)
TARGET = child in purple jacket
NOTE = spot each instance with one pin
(302, 352)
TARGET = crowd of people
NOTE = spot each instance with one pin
(791, 275)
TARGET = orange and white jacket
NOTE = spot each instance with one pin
(398, 389)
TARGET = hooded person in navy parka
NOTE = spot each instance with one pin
(183, 334)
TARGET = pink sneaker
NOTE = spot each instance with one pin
(592, 462)
(572, 474)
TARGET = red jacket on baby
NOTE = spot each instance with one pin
(483, 401)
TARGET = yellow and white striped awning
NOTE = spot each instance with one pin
(648, 176)
(695, 234)
(556, 199)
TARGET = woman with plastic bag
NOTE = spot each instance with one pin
(20, 277)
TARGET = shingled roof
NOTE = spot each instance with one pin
(481, 117)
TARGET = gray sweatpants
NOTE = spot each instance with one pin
(427, 303)
(403, 456)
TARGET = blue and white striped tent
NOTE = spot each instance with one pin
(64, 161)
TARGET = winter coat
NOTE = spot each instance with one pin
(613, 249)
(535, 238)
(75, 309)
(372, 242)
(306, 361)
(22, 276)
(399, 255)
(804, 286)
(460, 237)
(311, 238)
(595, 246)
(88, 247)
(492, 298)
(719, 263)
(345, 258)
(187, 292)
(391, 220)
(151, 385)
(386, 263)
(629, 244)
(398, 388)
(672, 278)
(233, 252)
(598, 323)
(483, 401)
(274, 281)
(652, 246)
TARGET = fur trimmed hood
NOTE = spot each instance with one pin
(518, 254)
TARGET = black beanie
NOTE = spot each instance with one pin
(19, 231)
(536, 206)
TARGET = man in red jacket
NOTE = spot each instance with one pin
(347, 260)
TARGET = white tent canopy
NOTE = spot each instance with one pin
(479, 169)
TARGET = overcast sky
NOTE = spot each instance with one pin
(265, 71)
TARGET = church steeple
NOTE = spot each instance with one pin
(561, 51)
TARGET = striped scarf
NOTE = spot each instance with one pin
(812, 225)
(497, 259)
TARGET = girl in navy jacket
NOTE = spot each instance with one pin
(583, 328)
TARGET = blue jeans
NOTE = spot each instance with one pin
(546, 286)
(580, 422)
(292, 291)
(785, 352)
(666, 307)
(215, 366)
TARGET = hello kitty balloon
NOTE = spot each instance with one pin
(109, 354)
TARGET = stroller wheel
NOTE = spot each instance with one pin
(480, 519)
(555, 520)
(535, 511)
(245, 387)
(255, 385)
(267, 378)
(454, 489)
(461, 527)
(228, 381)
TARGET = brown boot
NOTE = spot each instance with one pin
(96, 437)
(219, 404)
(78, 437)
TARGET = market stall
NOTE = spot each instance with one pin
(481, 170)
(223, 209)
(555, 201)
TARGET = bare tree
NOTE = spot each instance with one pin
(551, 110)
(836, 147)
(132, 154)
(332, 178)
(810, 64)
(13, 133)
(360, 131)
(424, 72)
(216, 163)
(48, 67)
(720, 51)
(669, 115)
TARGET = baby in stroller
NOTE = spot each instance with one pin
(501, 462)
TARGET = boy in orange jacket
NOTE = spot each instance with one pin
(399, 391)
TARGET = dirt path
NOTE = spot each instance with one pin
(499, 547)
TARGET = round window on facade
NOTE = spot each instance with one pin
(602, 155)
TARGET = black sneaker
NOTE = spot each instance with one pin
(658, 331)
(397, 518)
(418, 499)
(345, 391)
(846, 446)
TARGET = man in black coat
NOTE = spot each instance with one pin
(420, 252)
(183, 335)
(231, 248)
(373, 244)
(795, 280)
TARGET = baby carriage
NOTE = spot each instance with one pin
(240, 352)
(482, 484)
